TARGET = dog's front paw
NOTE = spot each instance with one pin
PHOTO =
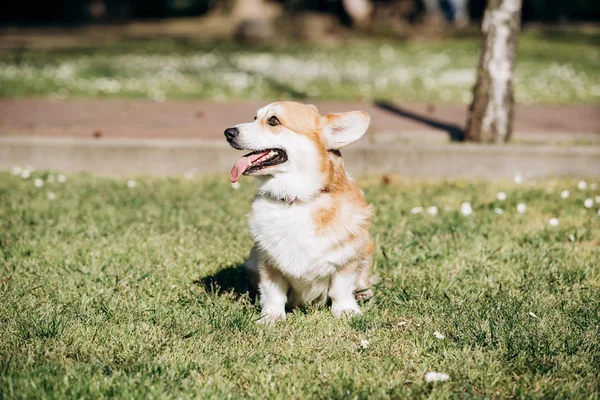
(271, 318)
(345, 310)
(364, 294)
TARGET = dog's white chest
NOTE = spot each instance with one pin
(287, 234)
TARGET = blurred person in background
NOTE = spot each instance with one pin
(455, 11)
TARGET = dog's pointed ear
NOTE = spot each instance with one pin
(342, 129)
(313, 107)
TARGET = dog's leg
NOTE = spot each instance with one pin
(341, 293)
(363, 289)
(273, 289)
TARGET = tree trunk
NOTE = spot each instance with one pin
(248, 9)
(254, 20)
(491, 112)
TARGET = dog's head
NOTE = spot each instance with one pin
(292, 141)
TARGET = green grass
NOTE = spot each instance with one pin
(558, 68)
(110, 291)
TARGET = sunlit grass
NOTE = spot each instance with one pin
(113, 289)
(549, 70)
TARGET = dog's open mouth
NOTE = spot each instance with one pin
(256, 161)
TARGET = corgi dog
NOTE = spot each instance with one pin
(309, 220)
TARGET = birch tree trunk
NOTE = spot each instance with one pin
(491, 112)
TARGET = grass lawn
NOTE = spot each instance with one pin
(108, 290)
(561, 68)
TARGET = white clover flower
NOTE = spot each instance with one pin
(51, 196)
(16, 170)
(131, 184)
(433, 210)
(38, 183)
(521, 208)
(518, 179)
(531, 314)
(599, 212)
(553, 222)
(235, 185)
(564, 194)
(466, 208)
(25, 174)
(582, 185)
(439, 335)
(499, 211)
(588, 203)
(61, 178)
(597, 199)
(593, 186)
(416, 210)
(436, 377)
(501, 196)
(364, 343)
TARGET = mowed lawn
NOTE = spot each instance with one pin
(137, 292)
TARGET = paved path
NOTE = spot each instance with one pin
(206, 120)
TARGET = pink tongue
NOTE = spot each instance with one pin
(243, 164)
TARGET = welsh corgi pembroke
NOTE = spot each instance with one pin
(309, 220)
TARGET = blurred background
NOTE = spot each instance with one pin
(394, 14)
(403, 50)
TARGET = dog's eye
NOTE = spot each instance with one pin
(255, 118)
(274, 121)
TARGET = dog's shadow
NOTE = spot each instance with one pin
(233, 279)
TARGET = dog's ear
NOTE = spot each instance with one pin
(342, 129)
(313, 107)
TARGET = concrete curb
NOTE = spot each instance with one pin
(177, 157)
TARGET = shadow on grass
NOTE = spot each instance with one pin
(562, 35)
(457, 133)
(232, 279)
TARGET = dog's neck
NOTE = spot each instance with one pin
(291, 188)
(293, 200)
(306, 185)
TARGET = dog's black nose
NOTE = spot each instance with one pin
(231, 133)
